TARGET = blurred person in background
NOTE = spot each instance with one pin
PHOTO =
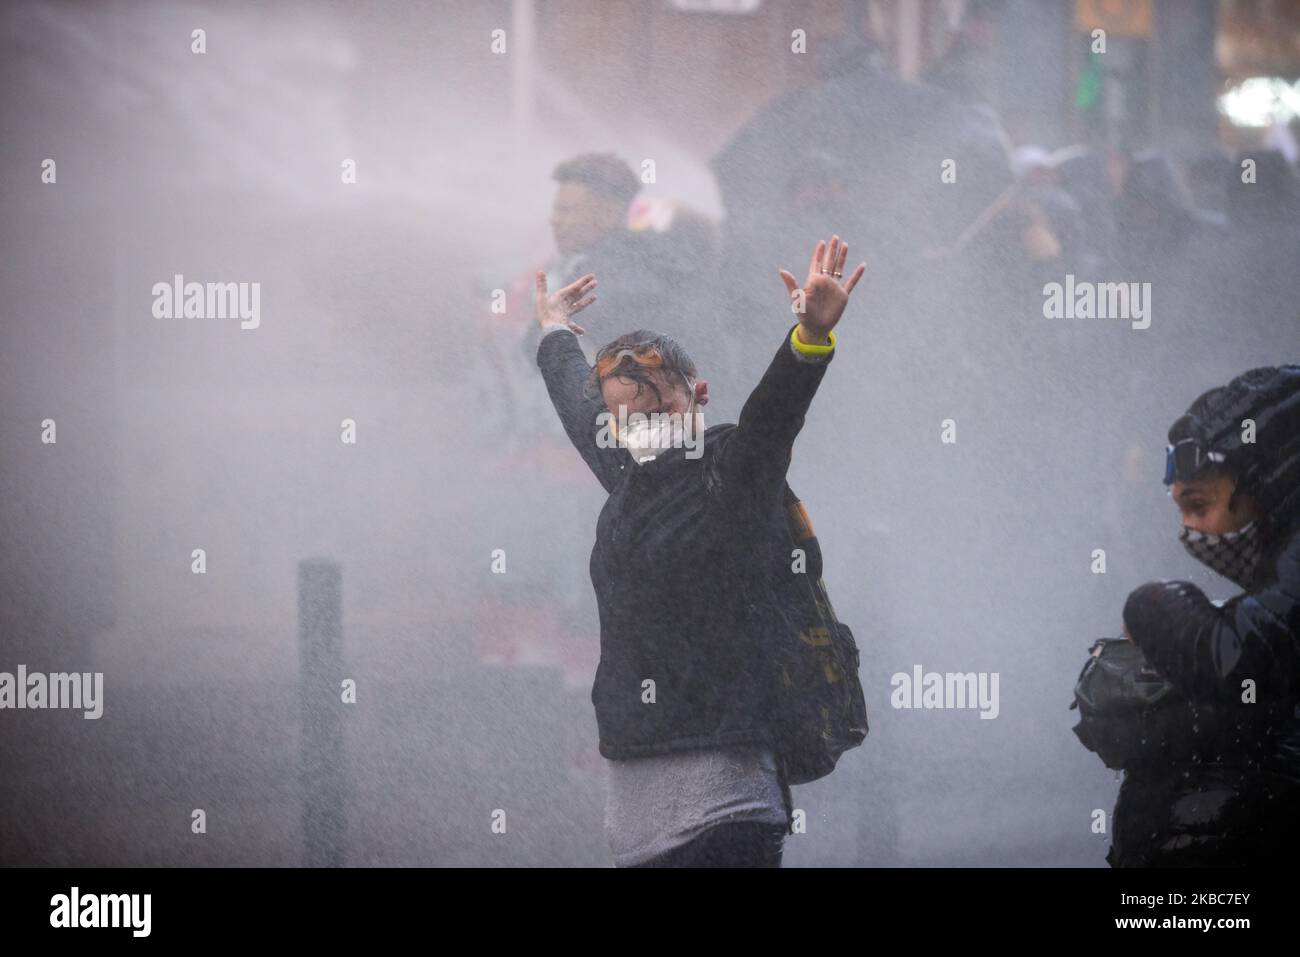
(641, 269)
(968, 69)
(875, 142)
(653, 274)
(1234, 291)
(1084, 173)
(1209, 175)
(1157, 218)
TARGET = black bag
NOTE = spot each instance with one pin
(1128, 714)
(1131, 717)
(820, 709)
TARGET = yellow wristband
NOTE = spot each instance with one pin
(811, 349)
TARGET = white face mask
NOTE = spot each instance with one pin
(654, 433)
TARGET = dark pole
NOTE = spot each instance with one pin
(320, 650)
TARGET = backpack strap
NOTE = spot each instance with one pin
(801, 527)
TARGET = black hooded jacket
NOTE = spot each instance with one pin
(1242, 804)
(1209, 652)
(682, 548)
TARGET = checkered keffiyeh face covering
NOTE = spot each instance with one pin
(1234, 555)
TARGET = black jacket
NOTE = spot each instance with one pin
(1241, 805)
(682, 548)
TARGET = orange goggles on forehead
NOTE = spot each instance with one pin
(646, 354)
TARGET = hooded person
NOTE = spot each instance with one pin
(1156, 215)
(1233, 467)
(1084, 175)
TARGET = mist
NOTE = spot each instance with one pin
(238, 523)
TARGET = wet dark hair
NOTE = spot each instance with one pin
(676, 360)
(603, 173)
